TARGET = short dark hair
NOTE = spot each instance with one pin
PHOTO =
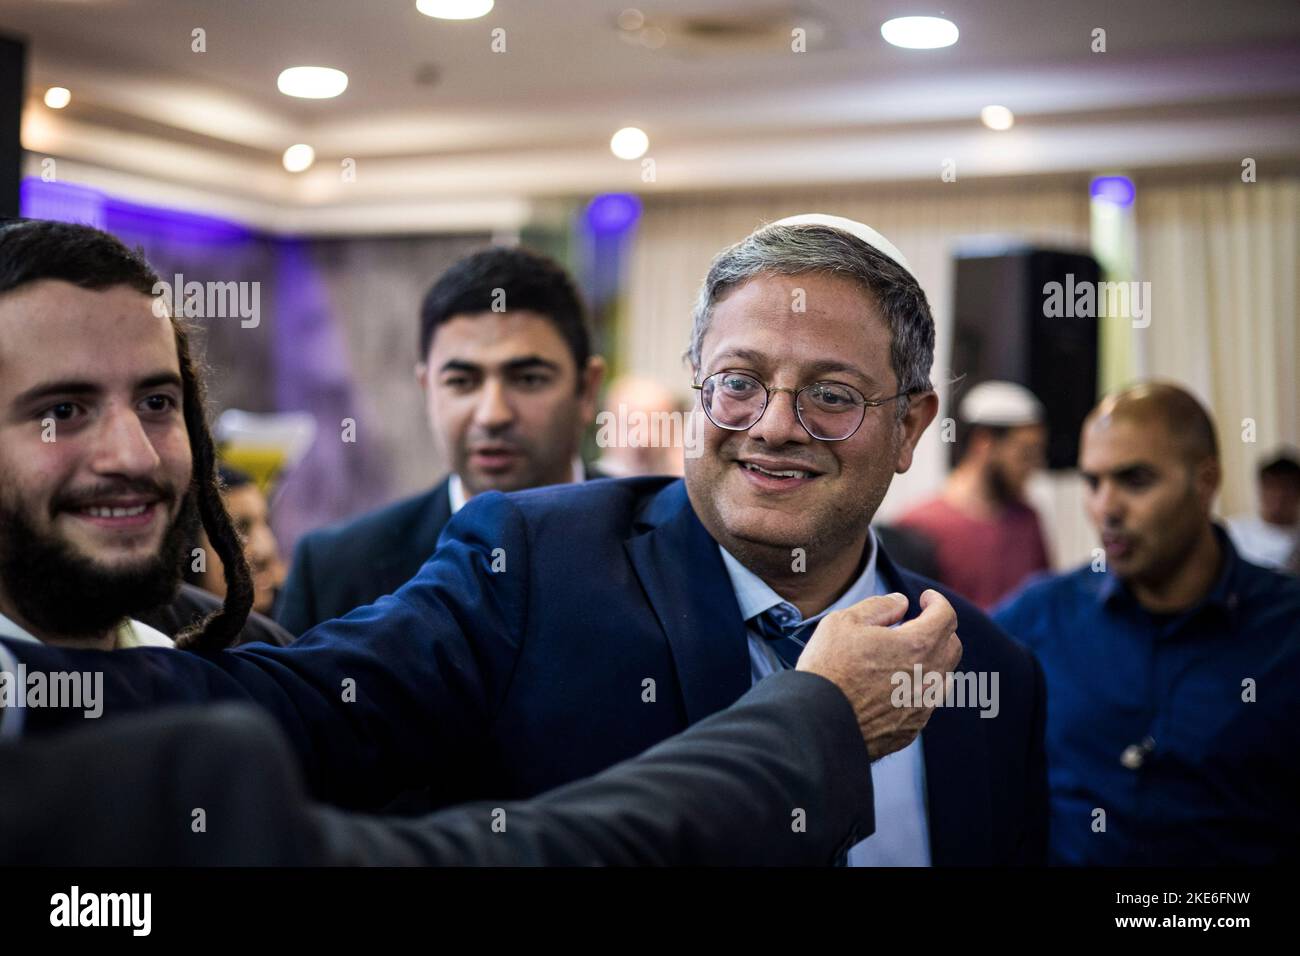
(527, 280)
(35, 249)
(1281, 467)
(1176, 410)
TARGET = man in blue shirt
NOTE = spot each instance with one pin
(1172, 664)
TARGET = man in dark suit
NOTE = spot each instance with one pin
(509, 382)
(557, 631)
(726, 791)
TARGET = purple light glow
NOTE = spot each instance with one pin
(68, 202)
(62, 202)
(1116, 190)
(612, 213)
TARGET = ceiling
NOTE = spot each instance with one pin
(446, 132)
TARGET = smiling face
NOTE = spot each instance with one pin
(505, 400)
(95, 460)
(826, 506)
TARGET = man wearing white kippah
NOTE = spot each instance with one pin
(558, 631)
(987, 538)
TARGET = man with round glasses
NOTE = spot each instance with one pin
(811, 346)
(828, 410)
(558, 631)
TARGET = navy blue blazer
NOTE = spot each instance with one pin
(553, 633)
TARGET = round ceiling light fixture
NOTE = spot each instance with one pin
(629, 143)
(997, 117)
(455, 9)
(919, 33)
(312, 82)
(299, 157)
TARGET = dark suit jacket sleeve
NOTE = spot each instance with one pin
(126, 793)
(295, 608)
(780, 778)
(728, 791)
(394, 696)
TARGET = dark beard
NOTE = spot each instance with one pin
(1000, 488)
(59, 591)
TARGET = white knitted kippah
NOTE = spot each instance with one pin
(1001, 404)
(851, 226)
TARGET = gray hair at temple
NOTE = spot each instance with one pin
(791, 250)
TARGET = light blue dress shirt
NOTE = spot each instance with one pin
(902, 835)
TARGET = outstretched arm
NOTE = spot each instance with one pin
(389, 698)
(782, 777)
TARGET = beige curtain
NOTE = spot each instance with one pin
(1221, 259)
(679, 236)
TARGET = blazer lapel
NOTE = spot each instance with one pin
(419, 538)
(687, 585)
(438, 513)
(958, 802)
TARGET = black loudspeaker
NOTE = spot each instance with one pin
(1008, 326)
(13, 60)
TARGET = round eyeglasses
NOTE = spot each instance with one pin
(828, 411)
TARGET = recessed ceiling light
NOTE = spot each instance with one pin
(919, 33)
(312, 82)
(455, 9)
(57, 97)
(629, 143)
(299, 157)
(997, 117)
